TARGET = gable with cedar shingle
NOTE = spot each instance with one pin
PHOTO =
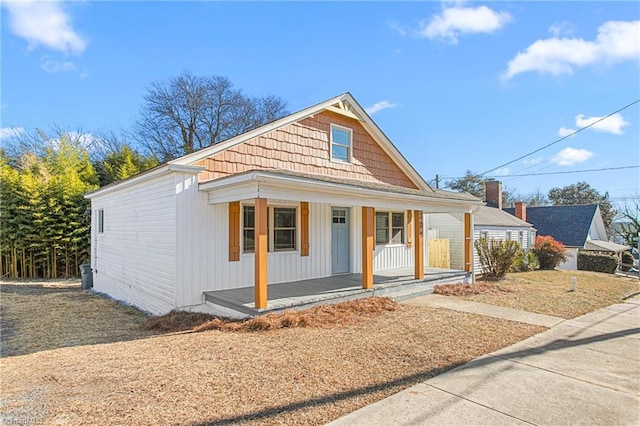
(303, 146)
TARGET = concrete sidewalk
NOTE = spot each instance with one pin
(457, 304)
(581, 371)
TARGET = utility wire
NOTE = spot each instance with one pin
(562, 138)
(572, 171)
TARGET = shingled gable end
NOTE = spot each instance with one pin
(303, 146)
(315, 194)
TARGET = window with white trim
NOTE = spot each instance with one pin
(248, 229)
(484, 235)
(284, 229)
(341, 143)
(281, 228)
(508, 236)
(521, 238)
(390, 228)
(100, 221)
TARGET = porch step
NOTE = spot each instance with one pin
(416, 288)
(287, 296)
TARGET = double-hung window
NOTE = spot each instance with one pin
(248, 229)
(390, 228)
(284, 229)
(341, 143)
(281, 228)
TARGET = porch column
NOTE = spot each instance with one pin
(468, 243)
(368, 245)
(260, 253)
(418, 246)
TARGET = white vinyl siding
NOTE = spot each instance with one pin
(452, 228)
(498, 233)
(133, 258)
(203, 244)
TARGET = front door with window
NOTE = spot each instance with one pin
(340, 254)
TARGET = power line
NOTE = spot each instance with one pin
(562, 138)
(571, 171)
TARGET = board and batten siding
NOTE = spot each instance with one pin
(134, 258)
(202, 255)
(384, 257)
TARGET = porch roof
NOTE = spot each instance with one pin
(290, 185)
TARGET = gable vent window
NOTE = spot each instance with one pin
(341, 143)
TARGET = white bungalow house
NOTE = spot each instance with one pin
(320, 199)
(489, 222)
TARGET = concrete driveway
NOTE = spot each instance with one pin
(581, 371)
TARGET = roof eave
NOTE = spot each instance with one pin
(145, 176)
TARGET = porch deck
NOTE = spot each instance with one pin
(397, 283)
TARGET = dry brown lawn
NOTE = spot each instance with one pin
(548, 292)
(50, 314)
(303, 375)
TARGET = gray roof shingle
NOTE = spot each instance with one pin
(567, 224)
(491, 216)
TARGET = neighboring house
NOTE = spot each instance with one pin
(577, 227)
(318, 193)
(489, 222)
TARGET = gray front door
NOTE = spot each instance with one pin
(340, 254)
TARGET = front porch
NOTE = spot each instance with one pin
(397, 283)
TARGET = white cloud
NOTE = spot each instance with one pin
(617, 41)
(563, 131)
(457, 20)
(58, 66)
(571, 156)
(379, 106)
(613, 124)
(10, 132)
(561, 29)
(531, 161)
(44, 23)
(398, 28)
(504, 171)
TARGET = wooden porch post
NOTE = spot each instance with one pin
(368, 244)
(260, 253)
(468, 243)
(418, 246)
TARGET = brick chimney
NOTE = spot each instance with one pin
(493, 193)
(521, 210)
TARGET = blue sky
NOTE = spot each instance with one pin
(454, 85)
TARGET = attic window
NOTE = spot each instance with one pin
(341, 146)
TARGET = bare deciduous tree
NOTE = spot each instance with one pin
(186, 113)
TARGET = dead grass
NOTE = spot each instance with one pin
(50, 314)
(320, 316)
(306, 367)
(306, 375)
(469, 289)
(548, 292)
